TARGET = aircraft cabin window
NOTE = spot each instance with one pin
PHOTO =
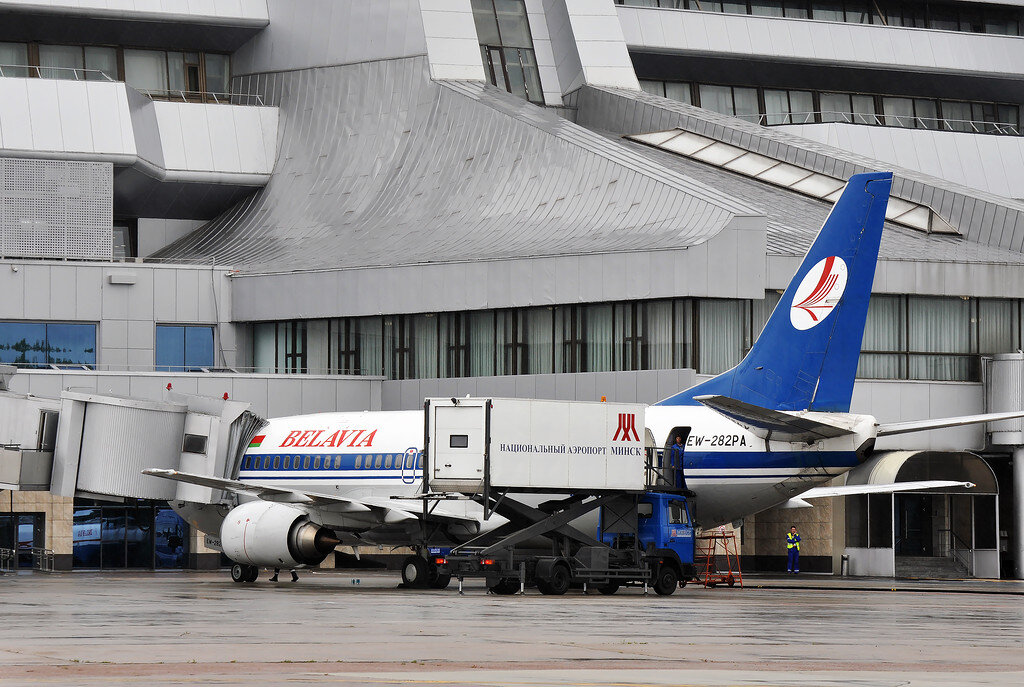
(266, 462)
(645, 510)
(387, 462)
(377, 461)
(359, 462)
(277, 462)
(305, 462)
(419, 463)
(316, 463)
(287, 462)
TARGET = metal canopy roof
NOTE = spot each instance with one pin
(379, 166)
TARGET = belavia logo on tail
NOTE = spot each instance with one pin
(627, 427)
(818, 293)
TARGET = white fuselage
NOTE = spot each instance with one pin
(733, 472)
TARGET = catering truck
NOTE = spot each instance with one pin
(588, 499)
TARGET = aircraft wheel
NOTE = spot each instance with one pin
(667, 581)
(251, 573)
(608, 588)
(558, 583)
(415, 572)
(505, 587)
(239, 573)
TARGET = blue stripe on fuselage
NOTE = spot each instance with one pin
(739, 460)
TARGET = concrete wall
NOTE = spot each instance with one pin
(742, 36)
(312, 33)
(647, 386)
(126, 314)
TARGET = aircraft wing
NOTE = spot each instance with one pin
(386, 511)
(781, 426)
(854, 489)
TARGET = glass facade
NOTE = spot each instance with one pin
(140, 534)
(906, 337)
(21, 532)
(774, 106)
(41, 344)
(506, 47)
(941, 16)
(184, 348)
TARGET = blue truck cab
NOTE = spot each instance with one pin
(663, 522)
(662, 531)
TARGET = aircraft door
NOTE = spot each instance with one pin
(410, 470)
(673, 458)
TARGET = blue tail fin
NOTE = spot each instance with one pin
(806, 356)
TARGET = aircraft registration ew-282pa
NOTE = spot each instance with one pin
(771, 430)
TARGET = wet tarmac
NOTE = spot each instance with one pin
(200, 628)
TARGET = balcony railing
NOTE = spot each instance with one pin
(204, 97)
(172, 95)
(64, 73)
(891, 120)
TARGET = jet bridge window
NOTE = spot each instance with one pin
(458, 441)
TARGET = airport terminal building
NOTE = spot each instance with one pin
(348, 205)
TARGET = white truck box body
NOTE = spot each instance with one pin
(536, 444)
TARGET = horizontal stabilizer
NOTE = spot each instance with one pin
(777, 425)
(855, 489)
(924, 425)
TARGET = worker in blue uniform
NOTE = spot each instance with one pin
(793, 549)
(675, 458)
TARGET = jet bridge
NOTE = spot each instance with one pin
(96, 446)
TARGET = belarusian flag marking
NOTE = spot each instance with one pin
(257, 440)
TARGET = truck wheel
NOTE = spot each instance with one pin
(415, 572)
(558, 583)
(436, 580)
(505, 587)
(608, 588)
(666, 581)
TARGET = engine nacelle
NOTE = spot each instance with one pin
(274, 535)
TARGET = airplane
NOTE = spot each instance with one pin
(766, 433)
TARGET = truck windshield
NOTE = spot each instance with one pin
(644, 510)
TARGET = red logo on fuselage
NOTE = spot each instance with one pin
(310, 438)
(627, 426)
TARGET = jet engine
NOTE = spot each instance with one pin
(274, 535)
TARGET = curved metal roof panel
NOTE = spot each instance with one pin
(380, 166)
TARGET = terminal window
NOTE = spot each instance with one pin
(42, 344)
(182, 348)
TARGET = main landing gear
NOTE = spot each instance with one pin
(244, 573)
(421, 573)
